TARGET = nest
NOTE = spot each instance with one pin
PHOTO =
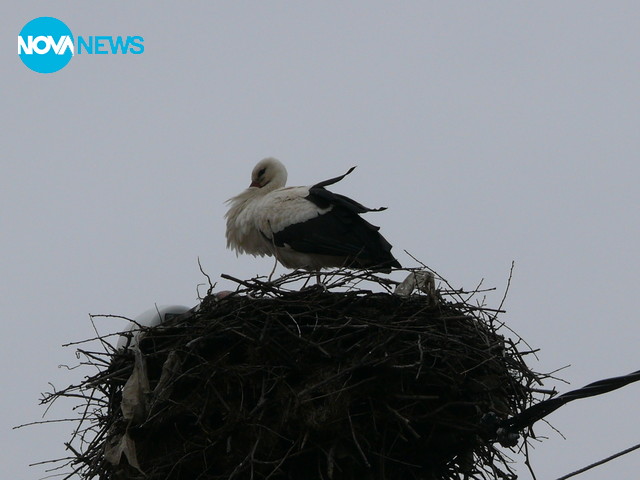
(275, 383)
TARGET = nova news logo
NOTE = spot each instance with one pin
(46, 45)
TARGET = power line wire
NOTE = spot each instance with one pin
(506, 431)
(600, 462)
(528, 417)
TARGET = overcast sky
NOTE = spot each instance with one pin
(493, 131)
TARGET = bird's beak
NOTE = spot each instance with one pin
(255, 184)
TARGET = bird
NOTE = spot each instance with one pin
(307, 227)
(152, 317)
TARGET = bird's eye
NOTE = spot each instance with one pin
(261, 171)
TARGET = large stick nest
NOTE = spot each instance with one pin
(273, 383)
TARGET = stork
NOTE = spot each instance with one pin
(304, 227)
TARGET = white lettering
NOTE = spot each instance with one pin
(23, 47)
(47, 44)
(42, 44)
(62, 45)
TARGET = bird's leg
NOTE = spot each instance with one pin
(319, 283)
(275, 255)
(318, 286)
(273, 270)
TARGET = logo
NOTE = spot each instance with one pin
(46, 45)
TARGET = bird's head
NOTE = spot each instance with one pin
(269, 173)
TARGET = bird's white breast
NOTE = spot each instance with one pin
(242, 234)
(285, 207)
(254, 217)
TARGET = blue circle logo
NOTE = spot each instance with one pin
(45, 45)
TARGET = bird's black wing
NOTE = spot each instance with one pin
(339, 231)
(323, 198)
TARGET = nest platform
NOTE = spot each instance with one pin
(318, 384)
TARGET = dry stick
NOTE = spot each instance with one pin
(211, 285)
(44, 462)
(95, 356)
(306, 340)
(42, 422)
(473, 292)
(440, 277)
(106, 345)
(94, 382)
(70, 344)
(405, 421)
(355, 440)
(506, 290)
(249, 457)
(527, 462)
(282, 460)
(262, 286)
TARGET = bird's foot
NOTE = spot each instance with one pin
(318, 287)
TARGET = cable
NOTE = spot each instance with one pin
(528, 417)
(599, 462)
(506, 431)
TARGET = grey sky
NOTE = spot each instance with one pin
(493, 131)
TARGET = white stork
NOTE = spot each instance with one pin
(304, 227)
